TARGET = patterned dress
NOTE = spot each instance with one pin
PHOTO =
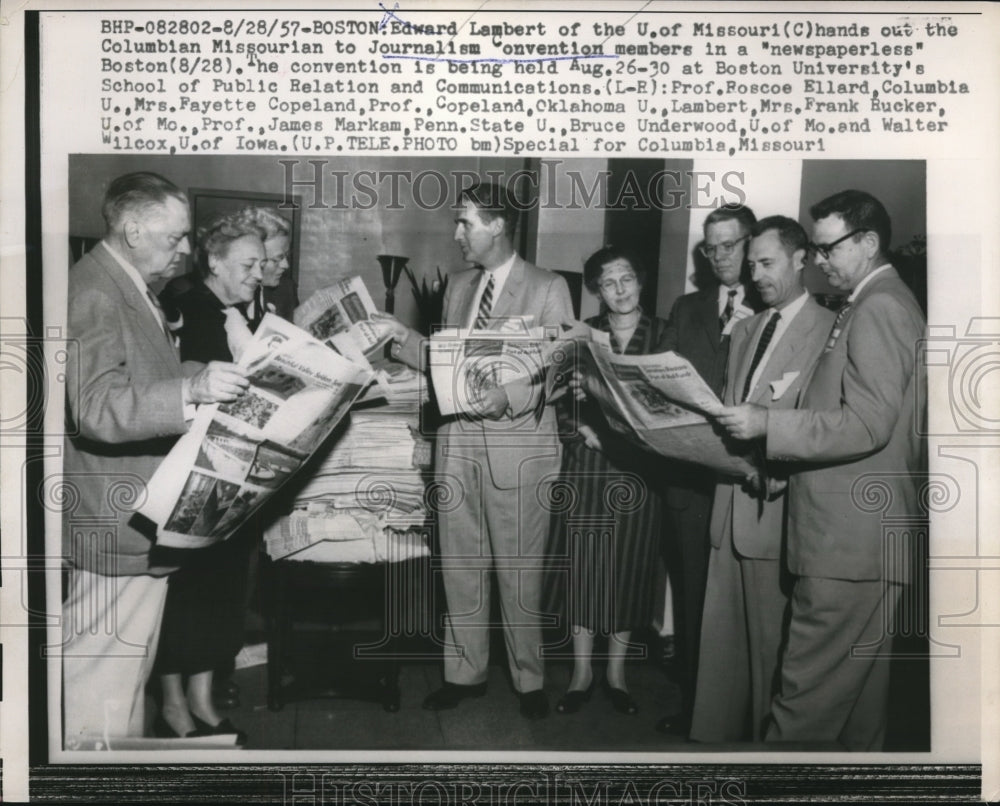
(606, 516)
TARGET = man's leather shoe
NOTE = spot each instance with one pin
(534, 704)
(451, 694)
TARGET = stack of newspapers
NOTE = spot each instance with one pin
(364, 503)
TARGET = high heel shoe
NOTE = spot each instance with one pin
(163, 730)
(621, 700)
(225, 726)
(573, 700)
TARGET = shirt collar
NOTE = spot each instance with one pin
(500, 273)
(129, 269)
(724, 293)
(864, 281)
(790, 311)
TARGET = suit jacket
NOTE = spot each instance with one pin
(757, 529)
(693, 331)
(125, 409)
(529, 291)
(857, 423)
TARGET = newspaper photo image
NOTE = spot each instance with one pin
(339, 317)
(661, 403)
(237, 454)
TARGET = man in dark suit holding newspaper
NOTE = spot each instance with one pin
(857, 423)
(127, 399)
(698, 329)
(746, 594)
(502, 459)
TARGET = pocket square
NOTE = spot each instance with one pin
(780, 386)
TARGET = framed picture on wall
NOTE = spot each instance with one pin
(208, 203)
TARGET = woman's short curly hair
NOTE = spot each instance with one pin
(272, 222)
(215, 239)
(595, 264)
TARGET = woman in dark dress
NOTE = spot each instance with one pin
(202, 627)
(610, 530)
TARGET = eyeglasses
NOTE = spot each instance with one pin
(277, 260)
(724, 248)
(824, 249)
(626, 282)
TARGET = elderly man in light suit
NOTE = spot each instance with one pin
(746, 595)
(859, 417)
(127, 399)
(501, 460)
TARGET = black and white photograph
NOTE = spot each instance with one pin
(793, 599)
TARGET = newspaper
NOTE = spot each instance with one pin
(466, 364)
(339, 316)
(236, 455)
(661, 402)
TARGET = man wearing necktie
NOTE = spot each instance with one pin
(127, 401)
(746, 594)
(698, 329)
(499, 463)
(857, 423)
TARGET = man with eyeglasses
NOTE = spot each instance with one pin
(746, 594)
(857, 424)
(698, 329)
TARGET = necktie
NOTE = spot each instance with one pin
(727, 312)
(161, 315)
(765, 339)
(835, 330)
(485, 306)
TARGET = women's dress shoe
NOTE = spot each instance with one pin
(225, 726)
(162, 730)
(573, 700)
(621, 701)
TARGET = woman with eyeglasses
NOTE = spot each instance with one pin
(202, 627)
(273, 295)
(606, 537)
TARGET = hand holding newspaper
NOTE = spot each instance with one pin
(465, 365)
(660, 401)
(339, 317)
(236, 455)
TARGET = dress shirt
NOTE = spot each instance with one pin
(740, 310)
(866, 279)
(500, 274)
(135, 277)
(788, 313)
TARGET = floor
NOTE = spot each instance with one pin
(490, 723)
(494, 722)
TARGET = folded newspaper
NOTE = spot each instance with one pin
(339, 316)
(236, 455)
(660, 402)
(466, 364)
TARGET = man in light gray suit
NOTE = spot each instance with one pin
(746, 596)
(858, 422)
(502, 460)
(127, 400)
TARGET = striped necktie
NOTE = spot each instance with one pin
(161, 315)
(485, 306)
(765, 339)
(837, 323)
